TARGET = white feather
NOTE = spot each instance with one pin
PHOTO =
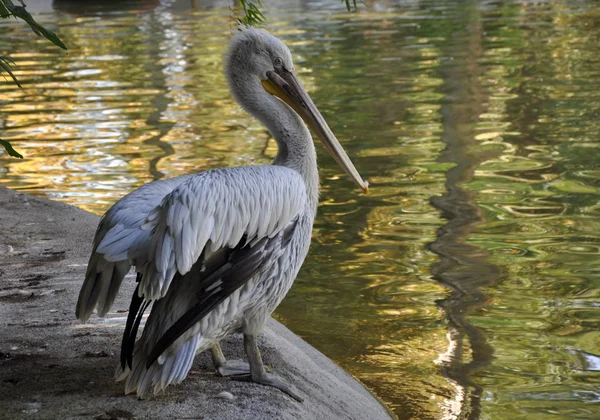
(275, 195)
(120, 241)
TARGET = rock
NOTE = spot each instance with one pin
(115, 414)
(73, 377)
(225, 395)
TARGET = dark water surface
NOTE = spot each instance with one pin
(466, 284)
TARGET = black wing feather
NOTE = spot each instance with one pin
(137, 307)
(242, 264)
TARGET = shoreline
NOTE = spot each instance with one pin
(53, 366)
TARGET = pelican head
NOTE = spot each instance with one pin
(258, 67)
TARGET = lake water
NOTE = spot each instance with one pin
(466, 284)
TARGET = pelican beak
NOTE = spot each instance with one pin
(285, 85)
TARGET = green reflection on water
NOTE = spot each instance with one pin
(465, 285)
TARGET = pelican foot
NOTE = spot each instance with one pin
(233, 368)
(226, 367)
(257, 369)
(271, 380)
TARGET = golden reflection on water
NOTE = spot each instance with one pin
(476, 124)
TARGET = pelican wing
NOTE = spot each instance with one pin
(215, 210)
(119, 243)
(242, 264)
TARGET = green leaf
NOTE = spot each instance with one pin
(21, 12)
(9, 149)
(254, 17)
(4, 12)
(5, 64)
(350, 4)
(252, 14)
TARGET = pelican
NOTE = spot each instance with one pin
(216, 252)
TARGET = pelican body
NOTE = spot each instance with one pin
(216, 252)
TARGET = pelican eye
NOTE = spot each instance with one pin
(278, 63)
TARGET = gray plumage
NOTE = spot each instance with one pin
(219, 250)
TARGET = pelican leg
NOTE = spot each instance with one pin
(226, 367)
(257, 369)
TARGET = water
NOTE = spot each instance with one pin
(465, 284)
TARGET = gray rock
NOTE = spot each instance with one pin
(225, 395)
(52, 366)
